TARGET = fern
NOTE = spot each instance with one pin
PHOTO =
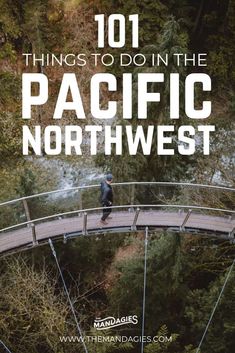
(162, 347)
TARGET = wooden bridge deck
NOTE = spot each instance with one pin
(121, 221)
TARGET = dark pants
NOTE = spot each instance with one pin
(106, 211)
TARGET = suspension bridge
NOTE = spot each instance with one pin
(30, 221)
(33, 220)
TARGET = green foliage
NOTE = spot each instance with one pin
(32, 315)
(10, 91)
(164, 347)
(172, 40)
(84, 261)
(10, 122)
(10, 19)
(41, 23)
(108, 344)
(165, 286)
(27, 183)
(200, 303)
(8, 52)
(30, 25)
(184, 275)
(178, 275)
(148, 12)
(10, 138)
(153, 167)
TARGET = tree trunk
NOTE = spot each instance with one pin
(199, 17)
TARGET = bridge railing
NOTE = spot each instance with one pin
(134, 211)
(205, 198)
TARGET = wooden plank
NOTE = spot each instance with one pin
(23, 236)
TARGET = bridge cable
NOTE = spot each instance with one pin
(214, 309)
(7, 349)
(67, 293)
(144, 291)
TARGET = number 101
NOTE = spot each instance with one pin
(120, 21)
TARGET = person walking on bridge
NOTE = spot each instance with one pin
(106, 197)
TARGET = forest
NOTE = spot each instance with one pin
(104, 273)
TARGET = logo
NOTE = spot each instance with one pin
(110, 322)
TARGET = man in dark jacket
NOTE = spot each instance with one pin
(106, 197)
